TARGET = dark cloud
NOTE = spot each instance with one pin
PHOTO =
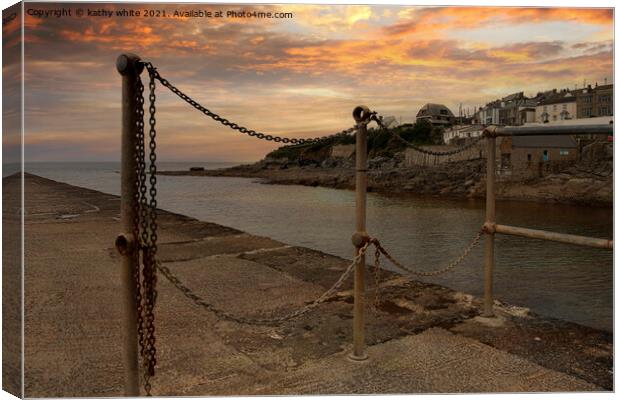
(594, 47)
(537, 50)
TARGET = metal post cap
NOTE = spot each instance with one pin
(361, 113)
(490, 131)
(489, 227)
(359, 239)
(129, 63)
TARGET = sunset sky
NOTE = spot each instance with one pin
(298, 77)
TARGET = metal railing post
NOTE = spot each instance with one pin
(489, 243)
(361, 115)
(129, 66)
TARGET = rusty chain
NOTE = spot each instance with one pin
(447, 268)
(377, 267)
(137, 206)
(250, 132)
(379, 120)
(145, 232)
(294, 141)
(199, 301)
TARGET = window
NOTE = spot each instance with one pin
(563, 152)
(545, 155)
(529, 157)
(564, 106)
(544, 108)
(555, 107)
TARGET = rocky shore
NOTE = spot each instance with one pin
(582, 184)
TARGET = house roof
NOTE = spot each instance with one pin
(434, 109)
(545, 141)
(513, 96)
(604, 87)
(578, 121)
(563, 96)
(590, 89)
(492, 104)
(528, 103)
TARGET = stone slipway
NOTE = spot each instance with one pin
(423, 339)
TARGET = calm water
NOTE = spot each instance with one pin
(567, 282)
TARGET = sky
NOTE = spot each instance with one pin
(296, 77)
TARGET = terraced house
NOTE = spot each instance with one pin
(595, 101)
(557, 106)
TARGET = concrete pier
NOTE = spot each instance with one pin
(424, 338)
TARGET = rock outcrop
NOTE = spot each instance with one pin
(589, 181)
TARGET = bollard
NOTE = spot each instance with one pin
(130, 67)
(361, 115)
(489, 243)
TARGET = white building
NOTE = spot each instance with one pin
(489, 114)
(458, 132)
(559, 106)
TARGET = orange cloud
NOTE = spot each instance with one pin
(441, 18)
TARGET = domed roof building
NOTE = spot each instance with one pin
(436, 114)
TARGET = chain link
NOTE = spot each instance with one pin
(441, 271)
(137, 206)
(199, 301)
(377, 278)
(250, 132)
(379, 120)
(145, 232)
(150, 249)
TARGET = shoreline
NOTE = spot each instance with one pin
(445, 181)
